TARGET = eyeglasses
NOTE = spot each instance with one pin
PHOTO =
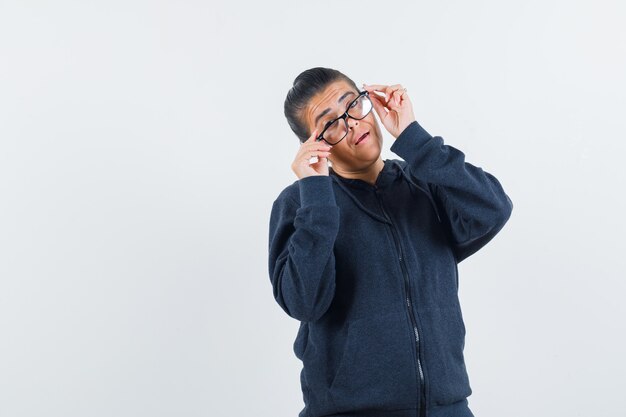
(337, 129)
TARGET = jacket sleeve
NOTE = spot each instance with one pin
(474, 202)
(301, 242)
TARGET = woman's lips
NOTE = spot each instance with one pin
(364, 138)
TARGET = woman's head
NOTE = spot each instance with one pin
(307, 85)
(318, 89)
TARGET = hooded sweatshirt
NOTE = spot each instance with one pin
(370, 271)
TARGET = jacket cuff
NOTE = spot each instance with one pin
(316, 190)
(411, 138)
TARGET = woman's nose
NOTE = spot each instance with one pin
(352, 123)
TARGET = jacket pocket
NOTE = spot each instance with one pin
(448, 380)
(377, 369)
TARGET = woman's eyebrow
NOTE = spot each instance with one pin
(322, 114)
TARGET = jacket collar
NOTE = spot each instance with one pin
(385, 177)
(392, 169)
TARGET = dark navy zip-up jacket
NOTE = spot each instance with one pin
(371, 273)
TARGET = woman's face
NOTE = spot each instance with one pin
(346, 154)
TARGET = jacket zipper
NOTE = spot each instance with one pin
(422, 408)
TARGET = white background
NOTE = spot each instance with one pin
(142, 144)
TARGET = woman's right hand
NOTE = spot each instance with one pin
(301, 165)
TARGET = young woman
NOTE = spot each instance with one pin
(364, 252)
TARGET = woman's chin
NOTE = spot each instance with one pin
(371, 146)
(372, 154)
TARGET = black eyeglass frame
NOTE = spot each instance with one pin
(344, 116)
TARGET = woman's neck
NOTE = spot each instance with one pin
(369, 174)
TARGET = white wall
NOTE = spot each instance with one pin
(135, 201)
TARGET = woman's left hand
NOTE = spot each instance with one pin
(395, 110)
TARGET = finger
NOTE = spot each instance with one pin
(313, 136)
(377, 87)
(379, 96)
(315, 146)
(396, 97)
(318, 161)
(398, 89)
(390, 101)
(382, 101)
(397, 93)
(313, 157)
(379, 106)
(403, 96)
(390, 90)
(311, 154)
(389, 97)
